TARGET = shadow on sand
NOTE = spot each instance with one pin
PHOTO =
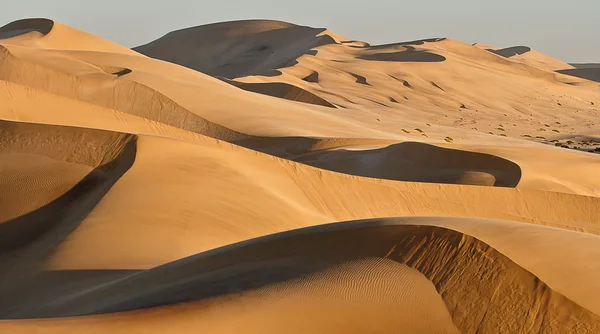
(17, 28)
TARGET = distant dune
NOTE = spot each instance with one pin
(264, 177)
(588, 72)
(588, 65)
(17, 28)
(235, 49)
(281, 90)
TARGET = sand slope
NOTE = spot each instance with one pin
(188, 185)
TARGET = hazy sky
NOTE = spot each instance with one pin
(566, 29)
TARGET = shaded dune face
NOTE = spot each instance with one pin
(474, 280)
(591, 73)
(237, 49)
(419, 162)
(17, 28)
(512, 51)
(409, 55)
(409, 43)
(408, 161)
(281, 90)
(38, 163)
(27, 239)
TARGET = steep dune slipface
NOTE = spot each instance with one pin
(592, 74)
(141, 195)
(40, 163)
(527, 55)
(17, 28)
(234, 49)
(282, 90)
(48, 34)
(36, 225)
(353, 270)
(419, 163)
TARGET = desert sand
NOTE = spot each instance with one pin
(263, 177)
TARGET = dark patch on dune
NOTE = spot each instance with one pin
(122, 72)
(417, 42)
(27, 240)
(356, 44)
(586, 65)
(419, 162)
(453, 261)
(324, 92)
(281, 90)
(511, 52)
(409, 55)
(360, 79)
(588, 73)
(17, 28)
(237, 49)
(47, 287)
(404, 82)
(437, 86)
(379, 103)
(313, 77)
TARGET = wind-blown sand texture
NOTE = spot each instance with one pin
(263, 177)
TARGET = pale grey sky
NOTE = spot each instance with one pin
(566, 29)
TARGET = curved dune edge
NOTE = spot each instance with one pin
(482, 289)
(419, 162)
(149, 103)
(510, 51)
(592, 74)
(271, 195)
(69, 152)
(28, 239)
(528, 161)
(261, 46)
(20, 27)
(281, 90)
(49, 34)
(53, 158)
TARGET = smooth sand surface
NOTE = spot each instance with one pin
(187, 185)
(29, 181)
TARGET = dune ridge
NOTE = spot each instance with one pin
(17, 28)
(417, 246)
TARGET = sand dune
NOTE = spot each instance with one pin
(330, 253)
(240, 48)
(17, 28)
(592, 73)
(294, 195)
(527, 55)
(48, 34)
(420, 163)
(188, 184)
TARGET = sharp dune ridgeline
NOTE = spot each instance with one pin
(264, 177)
